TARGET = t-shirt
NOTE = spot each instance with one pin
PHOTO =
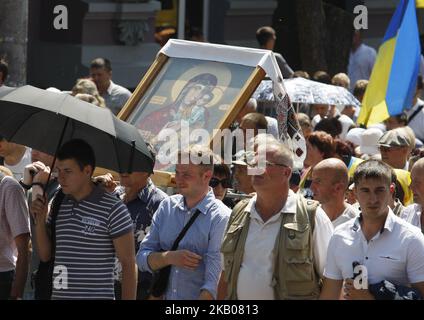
(115, 97)
(285, 69)
(361, 62)
(14, 221)
(18, 169)
(85, 253)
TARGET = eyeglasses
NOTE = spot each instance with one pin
(214, 182)
(254, 163)
(251, 160)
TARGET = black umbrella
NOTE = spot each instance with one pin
(44, 120)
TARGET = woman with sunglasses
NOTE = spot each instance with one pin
(220, 182)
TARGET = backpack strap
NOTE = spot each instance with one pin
(415, 113)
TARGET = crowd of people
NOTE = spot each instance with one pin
(225, 233)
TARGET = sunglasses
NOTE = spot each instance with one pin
(214, 182)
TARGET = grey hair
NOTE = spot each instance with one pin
(283, 155)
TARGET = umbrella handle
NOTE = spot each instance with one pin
(55, 154)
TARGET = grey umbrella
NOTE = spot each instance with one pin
(303, 90)
(307, 91)
(44, 120)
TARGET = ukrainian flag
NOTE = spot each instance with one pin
(420, 3)
(394, 77)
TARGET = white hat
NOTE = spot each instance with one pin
(369, 141)
(346, 124)
(354, 135)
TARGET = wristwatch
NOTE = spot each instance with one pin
(25, 186)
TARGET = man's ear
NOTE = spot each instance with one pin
(392, 188)
(288, 172)
(88, 170)
(208, 174)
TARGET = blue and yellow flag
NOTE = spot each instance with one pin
(393, 79)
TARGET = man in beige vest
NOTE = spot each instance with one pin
(262, 262)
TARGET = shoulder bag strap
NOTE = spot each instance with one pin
(185, 229)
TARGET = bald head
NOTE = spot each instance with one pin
(329, 182)
(418, 165)
(417, 181)
(335, 169)
(250, 106)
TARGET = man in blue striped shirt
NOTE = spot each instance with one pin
(92, 226)
(196, 264)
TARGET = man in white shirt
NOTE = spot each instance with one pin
(330, 180)
(384, 245)
(361, 60)
(413, 213)
(264, 237)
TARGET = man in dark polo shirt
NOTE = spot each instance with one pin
(92, 227)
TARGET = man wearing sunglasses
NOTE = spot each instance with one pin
(277, 236)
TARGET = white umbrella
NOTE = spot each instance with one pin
(302, 90)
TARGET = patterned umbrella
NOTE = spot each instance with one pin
(302, 90)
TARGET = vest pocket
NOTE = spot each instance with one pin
(296, 256)
(231, 237)
(296, 235)
(228, 248)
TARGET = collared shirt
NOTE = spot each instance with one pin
(203, 238)
(416, 123)
(412, 214)
(361, 62)
(396, 253)
(349, 213)
(255, 276)
(115, 97)
(141, 211)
